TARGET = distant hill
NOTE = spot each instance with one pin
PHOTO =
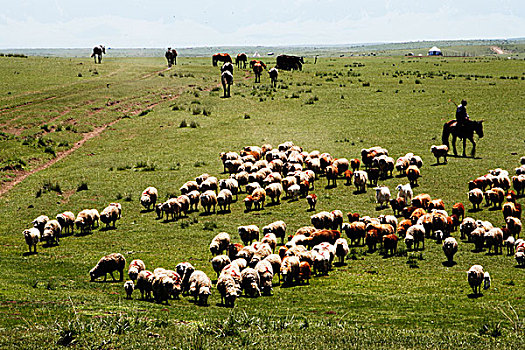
(449, 47)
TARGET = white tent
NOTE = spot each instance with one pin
(435, 51)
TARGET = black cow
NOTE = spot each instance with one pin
(288, 62)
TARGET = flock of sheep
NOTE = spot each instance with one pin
(289, 171)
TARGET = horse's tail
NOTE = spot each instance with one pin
(445, 135)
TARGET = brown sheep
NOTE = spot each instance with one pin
(108, 264)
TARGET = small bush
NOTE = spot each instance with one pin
(366, 84)
(418, 81)
(194, 124)
(128, 198)
(144, 112)
(199, 163)
(196, 110)
(50, 150)
(177, 108)
(209, 226)
(206, 112)
(183, 124)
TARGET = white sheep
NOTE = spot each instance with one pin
(475, 276)
(228, 288)
(248, 233)
(194, 197)
(40, 222)
(185, 270)
(129, 286)
(278, 228)
(405, 192)
(230, 184)
(439, 151)
(162, 287)
(109, 215)
(200, 287)
(219, 262)
(486, 281)
(509, 243)
(109, 264)
(224, 199)
(265, 270)
(290, 269)
(219, 243)
(144, 283)
(51, 234)
(418, 233)
(360, 180)
(66, 221)
(250, 282)
(262, 251)
(149, 197)
(341, 249)
(293, 192)
(409, 241)
(274, 191)
(208, 200)
(32, 237)
(135, 266)
(450, 247)
(271, 239)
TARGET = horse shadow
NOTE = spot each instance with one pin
(449, 263)
(29, 253)
(474, 295)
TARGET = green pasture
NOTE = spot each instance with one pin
(339, 105)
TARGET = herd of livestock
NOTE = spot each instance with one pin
(288, 171)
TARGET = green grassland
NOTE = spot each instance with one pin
(339, 105)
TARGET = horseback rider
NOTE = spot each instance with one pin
(461, 113)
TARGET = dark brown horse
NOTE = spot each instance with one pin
(240, 60)
(464, 132)
(257, 70)
(220, 57)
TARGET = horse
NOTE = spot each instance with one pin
(97, 53)
(464, 132)
(227, 81)
(241, 60)
(252, 62)
(227, 67)
(288, 62)
(222, 57)
(274, 73)
(171, 56)
(257, 70)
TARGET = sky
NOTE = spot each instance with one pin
(187, 23)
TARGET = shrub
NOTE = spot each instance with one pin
(82, 187)
(194, 124)
(183, 124)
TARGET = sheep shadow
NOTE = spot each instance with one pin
(146, 211)
(207, 213)
(310, 209)
(519, 266)
(222, 212)
(356, 192)
(29, 253)
(107, 228)
(340, 264)
(273, 204)
(449, 263)
(224, 305)
(474, 295)
(494, 209)
(474, 210)
(438, 164)
(328, 187)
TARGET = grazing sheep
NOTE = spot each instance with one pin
(220, 243)
(341, 249)
(171, 207)
(40, 222)
(224, 199)
(184, 270)
(32, 237)
(496, 196)
(409, 241)
(66, 221)
(477, 236)
(109, 215)
(241, 263)
(265, 271)
(355, 231)
(436, 204)
(162, 287)
(258, 196)
(440, 151)
(135, 266)
(290, 269)
(518, 182)
(360, 180)
(514, 226)
(250, 282)
(208, 200)
(188, 187)
(278, 228)
(390, 243)
(200, 287)
(84, 221)
(321, 220)
(129, 286)
(336, 219)
(466, 227)
(271, 239)
(248, 233)
(418, 232)
(475, 278)
(219, 262)
(51, 234)
(246, 253)
(486, 281)
(261, 252)
(233, 249)
(450, 247)
(228, 288)
(413, 174)
(194, 197)
(145, 283)
(421, 201)
(405, 192)
(397, 205)
(321, 264)
(382, 195)
(494, 238)
(520, 258)
(312, 201)
(108, 264)
(149, 197)
(274, 191)
(459, 210)
(321, 236)
(210, 184)
(275, 260)
(475, 197)
(509, 243)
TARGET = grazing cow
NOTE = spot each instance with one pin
(97, 53)
(227, 81)
(257, 70)
(274, 73)
(220, 57)
(287, 62)
(241, 60)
